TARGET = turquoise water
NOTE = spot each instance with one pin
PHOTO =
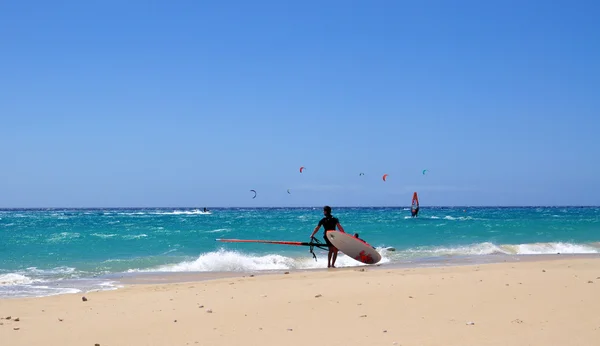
(44, 252)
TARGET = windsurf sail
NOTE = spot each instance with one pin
(315, 243)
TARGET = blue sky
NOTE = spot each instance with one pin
(194, 103)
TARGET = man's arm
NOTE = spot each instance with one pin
(316, 230)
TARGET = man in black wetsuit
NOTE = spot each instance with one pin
(414, 212)
(329, 223)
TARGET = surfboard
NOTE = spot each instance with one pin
(354, 247)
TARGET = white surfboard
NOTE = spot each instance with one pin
(354, 247)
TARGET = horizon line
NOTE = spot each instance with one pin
(299, 207)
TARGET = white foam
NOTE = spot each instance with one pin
(488, 248)
(218, 230)
(50, 272)
(116, 260)
(554, 248)
(184, 212)
(35, 291)
(460, 218)
(425, 217)
(15, 285)
(12, 279)
(474, 249)
(106, 286)
(232, 261)
(138, 236)
(104, 236)
(58, 237)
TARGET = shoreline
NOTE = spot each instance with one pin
(119, 281)
(140, 278)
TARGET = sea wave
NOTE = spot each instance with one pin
(552, 248)
(137, 236)
(460, 218)
(34, 282)
(488, 248)
(14, 279)
(57, 271)
(62, 237)
(233, 261)
(218, 230)
(183, 212)
(104, 236)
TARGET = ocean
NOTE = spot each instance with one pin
(55, 251)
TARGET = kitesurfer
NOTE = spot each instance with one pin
(329, 223)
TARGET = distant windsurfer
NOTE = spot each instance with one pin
(329, 223)
(414, 209)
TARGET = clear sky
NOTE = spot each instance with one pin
(194, 103)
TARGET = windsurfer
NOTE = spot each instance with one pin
(414, 209)
(329, 223)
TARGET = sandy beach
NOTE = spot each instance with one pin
(552, 302)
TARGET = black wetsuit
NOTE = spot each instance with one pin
(329, 223)
(414, 212)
